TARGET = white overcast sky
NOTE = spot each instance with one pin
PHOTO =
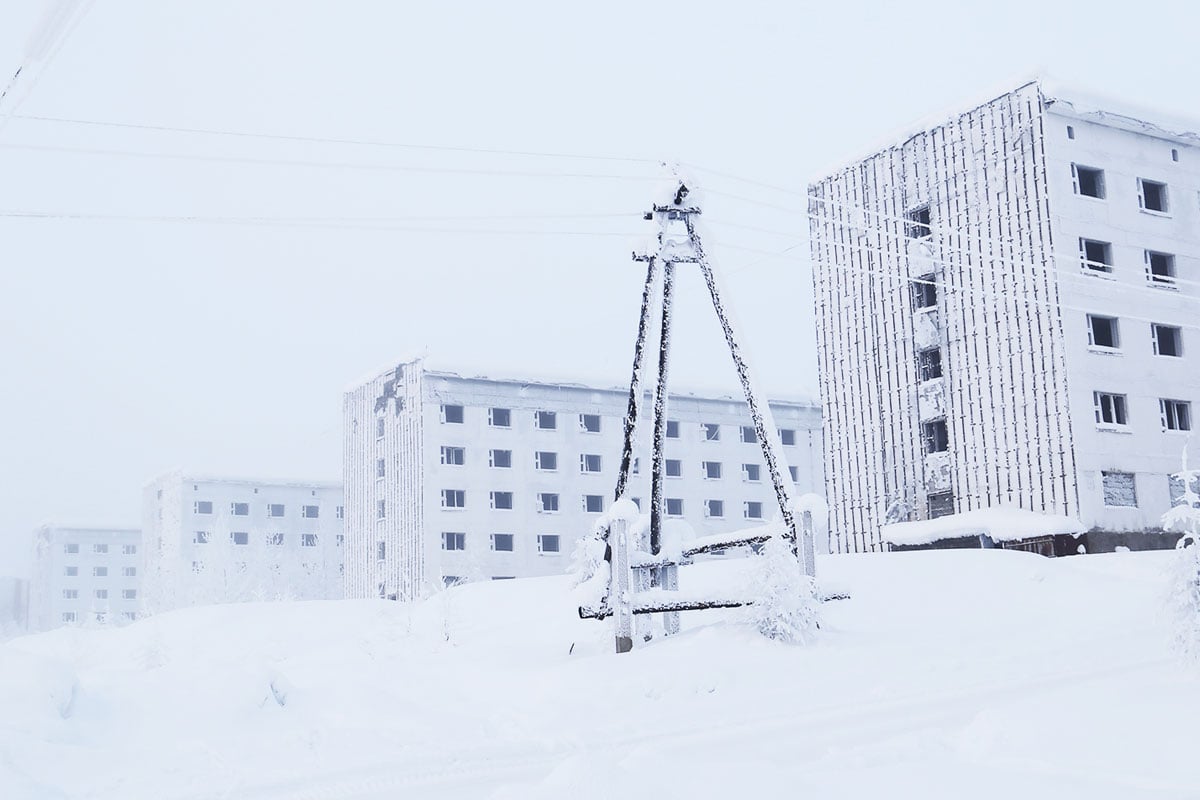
(135, 345)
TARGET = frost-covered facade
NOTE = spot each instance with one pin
(222, 540)
(84, 575)
(451, 477)
(14, 606)
(1007, 314)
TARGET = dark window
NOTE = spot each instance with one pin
(672, 467)
(593, 503)
(1103, 331)
(1168, 340)
(454, 456)
(672, 429)
(500, 458)
(917, 223)
(203, 506)
(240, 537)
(748, 434)
(308, 540)
(753, 509)
(1160, 268)
(794, 474)
(1176, 414)
(590, 422)
(924, 292)
(275, 509)
(941, 504)
(545, 460)
(379, 427)
(787, 436)
(454, 498)
(674, 507)
(712, 469)
(502, 500)
(548, 501)
(1089, 181)
(502, 542)
(548, 543)
(453, 414)
(381, 550)
(929, 363)
(714, 508)
(1110, 408)
(1096, 255)
(712, 431)
(546, 420)
(310, 512)
(589, 462)
(752, 472)
(500, 417)
(239, 509)
(454, 541)
(935, 436)
(1152, 195)
(1070, 132)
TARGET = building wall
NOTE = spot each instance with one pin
(421, 431)
(102, 591)
(1126, 151)
(996, 323)
(195, 558)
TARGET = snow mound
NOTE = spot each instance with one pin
(1000, 524)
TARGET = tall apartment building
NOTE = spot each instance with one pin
(84, 575)
(1007, 313)
(452, 477)
(221, 540)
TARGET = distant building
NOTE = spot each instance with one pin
(84, 575)
(14, 606)
(220, 540)
(451, 477)
(1007, 313)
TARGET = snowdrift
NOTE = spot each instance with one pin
(948, 674)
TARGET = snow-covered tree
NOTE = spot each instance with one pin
(1184, 588)
(785, 599)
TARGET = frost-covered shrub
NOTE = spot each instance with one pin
(1183, 591)
(785, 599)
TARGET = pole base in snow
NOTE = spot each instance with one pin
(624, 644)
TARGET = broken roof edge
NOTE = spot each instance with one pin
(999, 523)
(926, 123)
(1057, 97)
(436, 369)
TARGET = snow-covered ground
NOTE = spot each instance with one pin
(956, 674)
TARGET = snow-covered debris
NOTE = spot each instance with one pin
(1000, 524)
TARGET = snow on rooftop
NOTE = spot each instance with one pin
(579, 377)
(1001, 524)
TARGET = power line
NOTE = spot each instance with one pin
(324, 164)
(333, 140)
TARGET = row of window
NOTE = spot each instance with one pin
(590, 423)
(1096, 256)
(547, 461)
(72, 616)
(72, 548)
(1112, 410)
(72, 571)
(1105, 332)
(276, 510)
(100, 594)
(548, 503)
(1120, 489)
(550, 543)
(1153, 196)
(242, 538)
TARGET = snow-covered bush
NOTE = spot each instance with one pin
(1183, 597)
(785, 599)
